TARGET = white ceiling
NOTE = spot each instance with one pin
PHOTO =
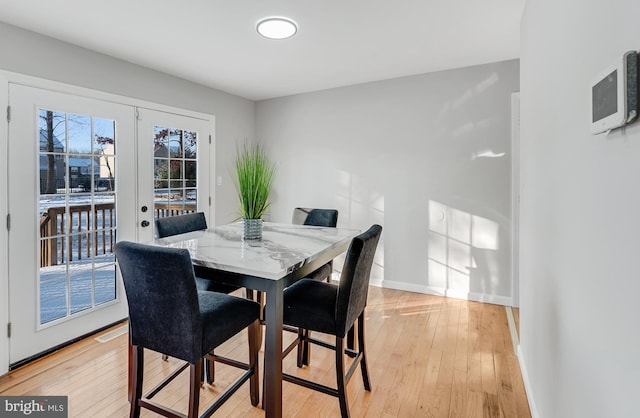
(339, 42)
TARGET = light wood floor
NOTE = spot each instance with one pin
(428, 357)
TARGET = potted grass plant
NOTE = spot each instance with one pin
(255, 174)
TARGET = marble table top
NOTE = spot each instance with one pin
(284, 247)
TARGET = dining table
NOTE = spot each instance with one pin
(285, 254)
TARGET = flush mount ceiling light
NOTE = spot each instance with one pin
(276, 27)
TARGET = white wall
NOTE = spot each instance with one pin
(428, 157)
(32, 54)
(580, 216)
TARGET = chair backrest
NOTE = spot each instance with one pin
(354, 280)
(315, 217)
(180, 224)
(164, 314)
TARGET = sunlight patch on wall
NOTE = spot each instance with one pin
(461, 249)
(487, 153)
(360, 204)
(488, 82)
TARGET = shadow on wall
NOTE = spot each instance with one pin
(464, 253)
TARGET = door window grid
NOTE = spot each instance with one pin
(175, 170)
(77, 213)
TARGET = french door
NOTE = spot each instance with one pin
(71, 162)
(173, 173)
(83, 174)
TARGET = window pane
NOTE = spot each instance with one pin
(53, 257)
(176, 170)
(105, 184)
(105, 284)
(104, 134)
(81, 289)
(191, 145)
(81, 173)
(53, 300)
(161, 173)
(161, 142)
(175, 143)
(53, 131)
(190, 170)
(105, 239)
(79, 134)
(51, 173)
(105, 210)
(80, 246)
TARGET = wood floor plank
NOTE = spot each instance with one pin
(428, 356)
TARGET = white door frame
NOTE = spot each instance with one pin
(7, 77)
(4, 255)
(515, 199)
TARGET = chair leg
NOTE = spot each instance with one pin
(194, 389)
(254, 347)
(363, 360)
(209, 370)
(300, 349)
(303, 348)
(351, 337)
(340, 377)
(136, 390)
(306, 348)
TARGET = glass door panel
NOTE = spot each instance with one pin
(66, 204)
(77, 205)
(174, 175)
(174, 171)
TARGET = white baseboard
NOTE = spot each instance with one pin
(513, 330)
(372, 282)
(527, 384)
(452, 293)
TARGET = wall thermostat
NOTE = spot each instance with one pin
(614, 94)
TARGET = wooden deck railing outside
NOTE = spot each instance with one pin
(91, 231)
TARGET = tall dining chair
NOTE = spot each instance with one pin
(317, 217)
(169, 315)
(333, 309)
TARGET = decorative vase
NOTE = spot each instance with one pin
(252, 229)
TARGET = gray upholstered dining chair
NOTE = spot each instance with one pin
(333, 309)
(317, 217)
(169, 315)
(180, 224)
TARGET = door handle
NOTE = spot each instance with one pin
(144, 224)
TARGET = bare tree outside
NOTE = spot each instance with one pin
(51, 185)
